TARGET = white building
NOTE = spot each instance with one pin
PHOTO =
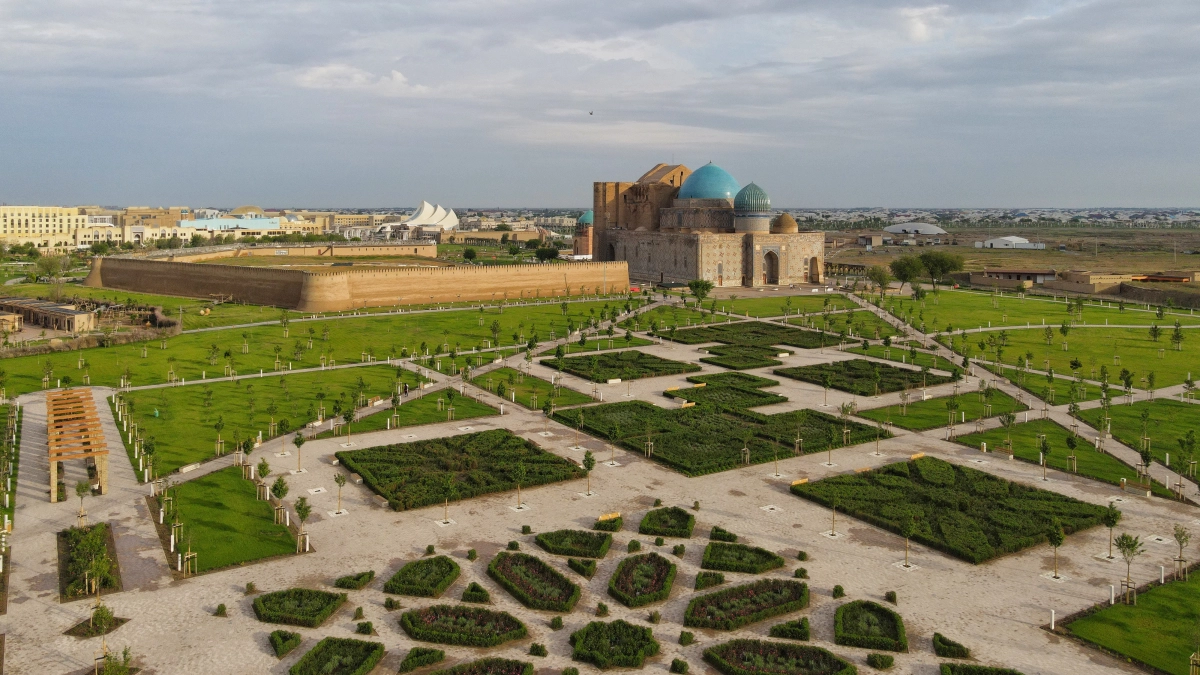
(431, 217)
(1009, 242)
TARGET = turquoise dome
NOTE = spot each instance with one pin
(586, 218)
(752, 198)
(709, 182)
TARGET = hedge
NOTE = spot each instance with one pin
(492, 666)
(426, 578)
(585, 567)
(610, 525)
(970, 669)
(869, 625)
(670, 521)
(739, 558)
(791, 630)
(719, 533)
(708, 580)
(880, 661)
(297, 606)
(459, 625)
(642, 579)
(476, 593)
(614, 644)
(789, 659)
(533, 582)
(625, 365)
(945, 647)
(419, 657)
(349, 657)
(740, 605)
(355, 581)
(283, 641)
(857, 376)
(578, 543)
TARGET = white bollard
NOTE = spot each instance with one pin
(287, 517)
(172, 549)
(1051, 619)
(179, 562)
(1112, 594)
(1162, 574)
(160, 516)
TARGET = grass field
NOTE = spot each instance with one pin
(599, 344)
(779, 305)
(1038, 385)
(932, 413)
(414, 412)
(1170, 420)
(904, 355)
(861, 323)
(1091, 462)
(226, 524)
(521, 388)
(1157, 631)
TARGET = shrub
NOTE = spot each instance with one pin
(696, 505)
(679, 666)
(735, 607)
(880, 661)
(578, 543)
(427, 578)
(642, 579)
(671, 521)
(686, 638)
(297, 606)
(739, 558)
(857, 376)
(601, 609)
(556, 623)
(525, 529)
(429, 550)
(391, 603)
(890, 596)
(945, 647)
(610, 525)
(801, 573)
(353, 657)
(657, 502)
(624, 365)
(533, 582)
(283, 641)
(514, 546)
(459, 625)
(492, 666)
(82, 545)
(476, 593)
(570, 671)
(971, 669)
(739, 657)
(251, 589)
(586, 568)
(419, 657)
(678, 550)
(802, 556)
(865, 624)
(358, 613)
(364, 628)
(537, 649)
(617, 643)
(708, 580)
(839, 592)
(634, 546)
(791, 630)
(221, 611)
(659, 541)
(655, 616)
(355, 581)
(721, 534)
(472, 555)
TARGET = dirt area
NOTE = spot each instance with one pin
(298, 261)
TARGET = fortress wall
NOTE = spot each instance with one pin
(315, 251)
(255, 285)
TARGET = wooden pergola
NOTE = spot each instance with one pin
(73, 431)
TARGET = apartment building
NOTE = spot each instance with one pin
(46, 227)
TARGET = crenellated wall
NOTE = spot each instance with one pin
(254, 285)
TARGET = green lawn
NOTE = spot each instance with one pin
(520, 388)
(226, 524)
(1039, 386)
(1157, 631)
(900, 354)
(415, 412)
(861, 323)
(932, 413)
(598, 344)
(1169, 421)
(1091, 462)
(779, 305)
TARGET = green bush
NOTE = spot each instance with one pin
(472, 555)
(364, 628)
(578, 543)
(614, 644)
(857, 376)
(556, 623)
(492, 666)
(671, 521)
(679, 666)
(750, 333)
(880, 661)
(525, 529)
(355, 581)
(586, 568)
(610, 525)
(865, 624)
(945, 647)
(429, 550)
(570, 671)
(739, 558)
(890, 596)
(601, 609)
(534, 583)
(82, 546)
(686, 638)
(642, 579)
(678, 550)
(802, 556)
(342, 656)
(390, 604)
(358, 613)
(537, 649)
(514, 546)
(476, 593)
(801, 573)
(838, 591)
(419, 657)
(708, 580)
(284, 641)
(655, 616)
(460, 625)
(719, 533)
(426, 578)
(970, 669)
(624, 365)
(297, 606)
(634, 546)
(791, 630)
(742, 657)
(740, 605)
(221, 611)
(659, 541)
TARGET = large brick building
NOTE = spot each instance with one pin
(674, 225)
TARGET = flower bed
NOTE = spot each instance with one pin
(728, 557)
(578, 543)
(77, 548)
(963, 512)
(752, 333)
(426, 578)
(670, 521)
(626, 365)
(727, 397)
(708, 580)
(614, 644)
(476, 593)
(610, 525)
(642, 579)
(791, 630)
(533, 582)
(489, 667)
(355, 582)
(743, 357)
(743, 380)
(297, 606)
(409, 475)
(459, 625)
(339, 656)
(857, 376)
(419, 657)
(753, 657)
(719, 533)
(284, 641)
(737, 606)
(865, 624)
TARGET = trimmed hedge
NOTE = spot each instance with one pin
(945, 647)
(869, 625)
(297, 606)
(719, 533)
(857, 376)
(734, 657)
(735, 607)
(530, 580)
(670, 521)
(642, 579)
(792, 630)
(476, 593)
(625, 365)
(880, 661)
(492, 666)
(355, 582)
(419, 657)
(739, 558)
(284, 641)
(459, 625)
(614, 644)
(347, 656)
(970, 669)
(610, 525)
(586, 568)
(426, 578)
(578, 543)
(708, 580)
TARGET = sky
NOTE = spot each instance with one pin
(378, 103)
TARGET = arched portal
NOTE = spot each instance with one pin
(814, 270)
(771, 268)
(612, 252)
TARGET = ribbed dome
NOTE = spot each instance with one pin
(586, 218)
(784, 224)
(751, 199)
(709, 182)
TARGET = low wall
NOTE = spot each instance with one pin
(996, 282)
(416, 249)
(254, 285)
(1079, 287)
(1154, 296)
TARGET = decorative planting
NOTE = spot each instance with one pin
(459, 625)
(862, 377)
(476, 593)
(737, 606)
(964, 512)
(791, 630)
(615, 644)
(708, 580)
(739, 558)
(970, 669)
(283, 642)
(409, 475)
(77, 549)
(489, 667)
(753, 657)
(339, 656)
(609, 525)
(743, 357)
(297, 606)
(752, 334)
(642, 579)
(579, 543)
(670, 521)
(533, 582)
(355, 581)
(585, 567)
(945, 647)
(626, 365)
(721, 534)
(865, 624)
(419, 657)
(426, 578)
(728, 398)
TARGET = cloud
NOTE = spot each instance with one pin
(346, 77)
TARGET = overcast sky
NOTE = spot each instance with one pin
(373, 103)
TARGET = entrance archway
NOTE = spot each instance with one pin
(612, 252)
(771, 268)
(814, 270)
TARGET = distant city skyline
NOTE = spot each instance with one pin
(993, 104)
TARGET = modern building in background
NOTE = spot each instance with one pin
(1009, 242)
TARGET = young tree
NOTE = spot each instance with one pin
(908, 527)
(589, 463)
(298, 440)
(1110, 518)
(449, 489)
(700, 288)
(827, 382)
(1008, 420)
(1155, 332)
(1130, 548)
(280, 488)
(519, 475)
(1056, 537)
(1182, 537)
(82, 489)
(348, 417)
(879, 276)
(1045, 448)
(303, 511)
(339, 479)
(907, 269)
(264, 469)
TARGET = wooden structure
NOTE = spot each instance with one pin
(73, 431)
